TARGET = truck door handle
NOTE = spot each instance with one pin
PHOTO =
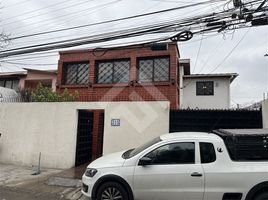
(196, 174)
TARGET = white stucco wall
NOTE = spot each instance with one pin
(51, 128)
(220, 99)
(265, 113)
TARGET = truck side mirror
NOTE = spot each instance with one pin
(145, 161)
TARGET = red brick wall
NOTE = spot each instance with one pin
(133, 91)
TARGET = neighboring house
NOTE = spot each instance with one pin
(207, 91)
(135, 73)
(28, 79)
(12, 80)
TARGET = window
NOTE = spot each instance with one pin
(134, 152)
(205, 88)
(2, 83)
(153, 69)
(176, 153)
(115, 71)
(207, 152)
(10, 83)
(76, 73)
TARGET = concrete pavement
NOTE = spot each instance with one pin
(14, 179)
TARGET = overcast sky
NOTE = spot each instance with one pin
(23, 17)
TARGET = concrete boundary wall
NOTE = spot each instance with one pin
(265, 113)
(51, 128)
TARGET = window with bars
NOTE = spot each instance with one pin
(153, 69)
(76, 73)
(113, 71)
(10, 83)
(204, 88)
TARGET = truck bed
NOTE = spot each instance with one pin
(245, 144)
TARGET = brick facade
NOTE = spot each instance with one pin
(131, 91)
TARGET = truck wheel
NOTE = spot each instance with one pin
(112, 191)
(262, 196)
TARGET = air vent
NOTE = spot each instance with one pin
(159, 47)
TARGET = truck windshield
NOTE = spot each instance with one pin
(133, 152)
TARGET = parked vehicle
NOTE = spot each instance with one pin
(7, 94)
(184, 166)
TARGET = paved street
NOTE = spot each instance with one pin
(12, 194)
(17, 183)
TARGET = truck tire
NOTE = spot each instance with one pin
(112, 190)
(262, 196)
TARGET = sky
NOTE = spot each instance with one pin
(241, 51)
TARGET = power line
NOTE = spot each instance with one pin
(86, 31)
(199, 49)
(230, 53)
(37, 10)
(116, 20)
(15, 4)
(32, 64)
(71, 15)
(115, 35)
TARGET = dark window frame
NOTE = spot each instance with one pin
(64, 73)
(192, 163)
(201, 155)
(203, 93)
(153, 58)
(97, 62)
(12, 83)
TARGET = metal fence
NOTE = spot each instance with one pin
(208, 120)
(11, 99)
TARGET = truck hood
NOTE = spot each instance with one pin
(110, 160)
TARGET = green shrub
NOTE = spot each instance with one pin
(46, 94)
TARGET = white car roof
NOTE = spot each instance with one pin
(190, 135)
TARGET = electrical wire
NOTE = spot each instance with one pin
(44, 8)
(116, 20)
(230, 53)
(198, 52)
(15, 4)
(100, 38)
(32, 64)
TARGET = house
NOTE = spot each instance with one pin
(207, 91)
(141, 73)
(28, 79)
(135, 73)
(127, 96)
(12, 80)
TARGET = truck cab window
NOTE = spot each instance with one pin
(207, 151)
(175, 153)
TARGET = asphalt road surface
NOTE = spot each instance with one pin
(12, 194)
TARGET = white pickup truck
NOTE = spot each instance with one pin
(227, 165)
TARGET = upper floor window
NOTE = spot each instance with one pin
(153, 69)
(204, 88)
(76, 73)
(113, 71)
(10, 83)
(175, 153)
(207, 152)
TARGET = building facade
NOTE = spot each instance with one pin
(29, 78)
(135, 73)
(207, 91)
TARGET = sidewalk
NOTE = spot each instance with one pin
(20, 178)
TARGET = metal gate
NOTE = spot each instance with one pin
(100, 135)
(84, 137)
(208, 120)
